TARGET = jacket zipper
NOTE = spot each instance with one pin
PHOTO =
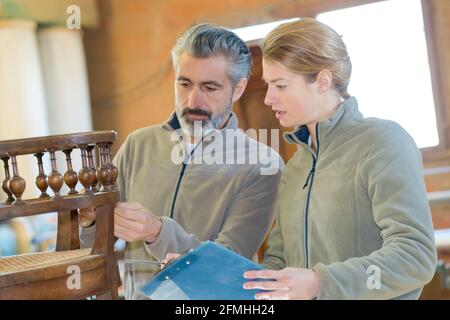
(180, 177)
(310, 176)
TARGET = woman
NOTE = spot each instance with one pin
(353, 220)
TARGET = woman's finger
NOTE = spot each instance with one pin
(266, 285)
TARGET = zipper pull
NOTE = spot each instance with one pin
(309, 175)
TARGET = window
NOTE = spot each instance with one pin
(391, 75)
(259, 31)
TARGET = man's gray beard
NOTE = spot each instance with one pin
(194, 129)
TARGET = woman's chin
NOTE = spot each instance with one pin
(285, 123)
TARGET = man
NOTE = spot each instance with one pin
(179, 182)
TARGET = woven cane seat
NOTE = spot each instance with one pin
(39, 260)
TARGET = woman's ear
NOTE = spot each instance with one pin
(324, 80)
(239, 89)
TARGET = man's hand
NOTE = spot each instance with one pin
(286, 284)
(170, 257)
(133, 222)
(86, 217)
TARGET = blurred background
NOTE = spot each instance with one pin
(71, 66)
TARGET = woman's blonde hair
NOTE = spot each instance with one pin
(308, 46)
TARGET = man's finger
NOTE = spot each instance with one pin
(136, 215)
(131, 225)
(87, 212)
(123, 233)
(128, 213)
(129, 205)
(170, 257)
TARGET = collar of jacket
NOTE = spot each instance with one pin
(346, 115)
(173, 124)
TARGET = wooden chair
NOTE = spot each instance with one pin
(69, 272)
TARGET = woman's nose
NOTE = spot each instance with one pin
(269, 100)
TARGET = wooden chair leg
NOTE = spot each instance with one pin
(104, 244)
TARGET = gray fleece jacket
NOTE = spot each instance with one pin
(200, 196)
(356, 210)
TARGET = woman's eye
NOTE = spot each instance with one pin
(281, 87)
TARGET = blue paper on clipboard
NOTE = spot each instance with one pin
(208, 272)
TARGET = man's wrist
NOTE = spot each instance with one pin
(153, 239)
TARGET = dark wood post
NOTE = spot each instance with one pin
(5, 186)
(41, 179)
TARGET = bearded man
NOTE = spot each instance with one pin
(171, 203)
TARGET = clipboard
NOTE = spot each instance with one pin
(208, 272)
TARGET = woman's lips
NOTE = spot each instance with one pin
(279, 114)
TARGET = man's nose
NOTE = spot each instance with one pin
(195, 98)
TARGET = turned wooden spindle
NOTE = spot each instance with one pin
(55, 179)
(91, 165)
(6, 180)
(86, 175)
(103, 169)
(98, 162)
(70, 177)
(114, 172)
(16, 184)
(41, 179)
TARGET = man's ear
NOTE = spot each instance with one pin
(324, 80)
(239, 89)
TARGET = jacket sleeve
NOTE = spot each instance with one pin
(274, 255)
(248, 220)
(392, 175)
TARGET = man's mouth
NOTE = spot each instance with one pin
(196, 114)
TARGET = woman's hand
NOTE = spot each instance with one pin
(286, 284)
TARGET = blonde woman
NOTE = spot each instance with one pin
(353, 220)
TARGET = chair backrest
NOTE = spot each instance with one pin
(97, 175)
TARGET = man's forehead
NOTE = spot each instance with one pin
(202, 69)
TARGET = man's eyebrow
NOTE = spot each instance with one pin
(181, 78)
(212, 82)
(204, 83)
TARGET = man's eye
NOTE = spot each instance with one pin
(184, 84)
(281, 86)
(211, 88)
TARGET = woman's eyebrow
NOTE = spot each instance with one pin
(273, 80)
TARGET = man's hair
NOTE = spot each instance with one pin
(206, 41)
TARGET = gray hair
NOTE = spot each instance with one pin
(206, 40)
